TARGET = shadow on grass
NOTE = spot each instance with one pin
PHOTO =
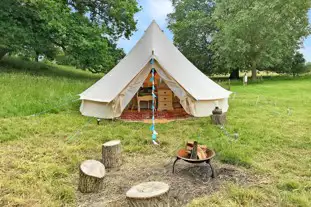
(16, 65)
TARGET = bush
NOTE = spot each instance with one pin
(63, 60)
(17, 63)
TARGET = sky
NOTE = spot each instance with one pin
(306, 50)
(158, 10)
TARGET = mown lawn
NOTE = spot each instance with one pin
(39, 155)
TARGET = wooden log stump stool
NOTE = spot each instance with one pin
(92, 173)
(150, 194)
(218, 118)
(111, 154)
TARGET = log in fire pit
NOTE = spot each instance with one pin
(196, 154)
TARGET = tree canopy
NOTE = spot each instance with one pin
(86, 31)
(193, 27)
(242, 34)
(258, 34)
(294, 64)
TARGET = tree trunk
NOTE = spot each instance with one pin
(254, 71)
(194, 151)
(150, 194)
(37, 57)
(235, 74)
(111, 154)
(92, 173)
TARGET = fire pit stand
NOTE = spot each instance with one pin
(207, 160)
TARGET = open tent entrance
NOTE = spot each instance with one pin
(168, 101)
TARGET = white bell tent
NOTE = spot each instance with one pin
(198, 94)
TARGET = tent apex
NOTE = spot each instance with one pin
(154, 23)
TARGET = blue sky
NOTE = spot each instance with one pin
(306, 50)
(158, 9)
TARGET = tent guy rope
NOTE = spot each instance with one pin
(235, 135)
(78, 132)
(261, 99)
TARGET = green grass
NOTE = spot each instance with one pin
(39, 155)
(28, 88)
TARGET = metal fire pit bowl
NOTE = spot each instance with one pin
(210, 154)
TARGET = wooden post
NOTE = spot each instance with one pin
(92, 173)
(194, 151)
(150, 194)
(229, 84)
(111, 154)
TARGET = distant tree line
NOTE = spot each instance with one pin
(218, 36)
(225, 36)
(82, 33)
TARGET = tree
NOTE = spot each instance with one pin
(256, 34)
(308, 67)
(298, 64)
(85, 30)
(192, 25)
(294, 65)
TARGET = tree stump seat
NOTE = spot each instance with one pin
(149, 194)
(92, 173)
(219, 119)
(111, 154)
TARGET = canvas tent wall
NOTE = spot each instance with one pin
(198, 94)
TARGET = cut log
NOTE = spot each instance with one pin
(189, 146)
(194, 151)
(111, 154)
(219, 119)
(150, 194)
(92, 173)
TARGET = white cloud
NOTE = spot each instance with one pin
(158, 10)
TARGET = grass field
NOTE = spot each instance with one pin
(40, 155)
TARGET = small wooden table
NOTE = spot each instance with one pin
(143, 98)
(146, 98)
